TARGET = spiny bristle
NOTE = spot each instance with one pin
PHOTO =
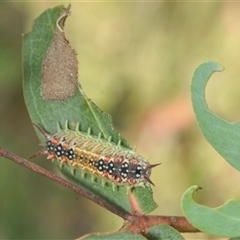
(45, 134)
(149, 180)
(150, 166)
(39, 153)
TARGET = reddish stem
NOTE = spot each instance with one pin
(140, 224)
(62, 182)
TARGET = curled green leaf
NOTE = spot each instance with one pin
(221, 134)
(223, 221)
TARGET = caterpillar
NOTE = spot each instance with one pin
(98, 156)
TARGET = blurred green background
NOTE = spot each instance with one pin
(136, 61)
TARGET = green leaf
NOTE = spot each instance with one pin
(222, 135)
(113, 236)
(47, 113)
(162, 232)
(223, 221)
(77, 108)
(159, 232)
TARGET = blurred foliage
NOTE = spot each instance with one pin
(136, 61)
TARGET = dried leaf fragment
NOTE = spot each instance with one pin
(60, 66)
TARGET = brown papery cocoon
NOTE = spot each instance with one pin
(60, 66)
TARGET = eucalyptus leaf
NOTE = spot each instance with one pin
(221, 134)
(75, 109)
(223, 221)
(162, 232)
(113, 236)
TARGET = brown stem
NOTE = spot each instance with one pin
(179, 223)
(140, 224)
(134, 223)
(62, 182)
